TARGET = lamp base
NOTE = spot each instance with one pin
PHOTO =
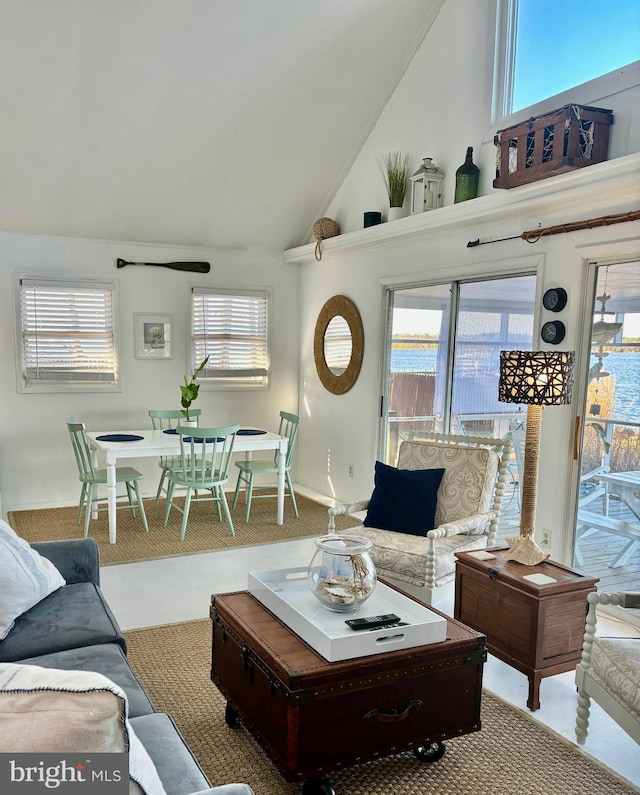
(524, 549)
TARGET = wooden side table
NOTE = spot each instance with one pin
(536, 628)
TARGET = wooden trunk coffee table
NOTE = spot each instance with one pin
(312, 716)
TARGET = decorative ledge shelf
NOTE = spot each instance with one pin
(617, 179)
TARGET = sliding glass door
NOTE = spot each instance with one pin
(607, 534)
(443, 355)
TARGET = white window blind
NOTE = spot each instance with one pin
(231, 329)
(67, 332)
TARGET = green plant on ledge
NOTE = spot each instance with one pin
(395, 171)
(190, 389)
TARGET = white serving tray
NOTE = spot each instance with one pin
(286, 593)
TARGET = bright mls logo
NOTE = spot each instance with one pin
(68, 774)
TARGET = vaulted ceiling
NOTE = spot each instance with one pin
(226, 123)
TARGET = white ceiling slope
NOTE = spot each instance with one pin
(224, 123)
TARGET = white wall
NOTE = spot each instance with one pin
(37, 468)
(440, 107)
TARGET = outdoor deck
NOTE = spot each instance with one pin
(598, 550)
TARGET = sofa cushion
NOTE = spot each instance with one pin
(403, 501)
(52, 711)
(177, 767)
(25, 578)
(73, 616)
(106, 659)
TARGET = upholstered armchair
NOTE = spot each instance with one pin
(609, 671)
(467, 509)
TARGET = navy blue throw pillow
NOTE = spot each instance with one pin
(404, 500)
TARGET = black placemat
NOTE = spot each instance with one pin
(249, 432)
(120, 437)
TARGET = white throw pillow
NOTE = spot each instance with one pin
(47, 710)
(25, 578)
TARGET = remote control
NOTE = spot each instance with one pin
(372, 622)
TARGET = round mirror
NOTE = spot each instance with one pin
(338, 344)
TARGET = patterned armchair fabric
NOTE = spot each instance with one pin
(469, 479)
(467, 511)
(609, 671)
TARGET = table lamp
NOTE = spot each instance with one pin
(537, 379)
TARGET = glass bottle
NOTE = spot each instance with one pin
(341, 574)
(467, 179)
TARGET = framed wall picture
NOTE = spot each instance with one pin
(153, 336)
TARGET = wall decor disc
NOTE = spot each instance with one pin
(555, 299)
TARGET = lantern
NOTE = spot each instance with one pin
(426, 190)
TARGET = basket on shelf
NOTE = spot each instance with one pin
(565, 139)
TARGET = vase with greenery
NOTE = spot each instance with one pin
(395, 170)
(190, 389)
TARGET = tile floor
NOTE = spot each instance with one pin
(180, 589)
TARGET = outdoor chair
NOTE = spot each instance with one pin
(205, 456)
(609, 671)
(289, 424)
(91, 477)
(167, 420)
(465, 509)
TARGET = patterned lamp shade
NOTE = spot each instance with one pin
(536, 378)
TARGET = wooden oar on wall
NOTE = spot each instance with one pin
(193, 267)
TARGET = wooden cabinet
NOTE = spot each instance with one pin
(535, 627)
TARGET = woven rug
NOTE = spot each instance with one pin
(511, 755)
(204, 532)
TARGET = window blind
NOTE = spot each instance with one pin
(67, 332)
(231, 329)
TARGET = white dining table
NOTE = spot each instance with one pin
(156, 443)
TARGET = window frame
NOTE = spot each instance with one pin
(224, 382)
(587, 93)
(52, 386)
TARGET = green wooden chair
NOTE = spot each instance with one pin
(289, 424)
(90, 476)
(205, 457)
(167, 420)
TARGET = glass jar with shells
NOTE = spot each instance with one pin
(342, 574)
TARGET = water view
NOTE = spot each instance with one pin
(624, 370)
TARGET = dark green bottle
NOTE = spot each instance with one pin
(467, 177)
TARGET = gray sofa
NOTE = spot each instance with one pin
(74, 629)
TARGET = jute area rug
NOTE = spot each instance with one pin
(204, 532)
(511, 755)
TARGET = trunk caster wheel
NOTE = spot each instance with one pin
(317, 786)
(231, 717)
(430, 753)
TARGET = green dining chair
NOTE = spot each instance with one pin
(167, 420)
(205, 457)
(289, 424)
(89, 476)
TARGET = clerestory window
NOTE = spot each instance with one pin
(548, 47)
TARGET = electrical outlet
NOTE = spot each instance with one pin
(546, 539)
(350, 470)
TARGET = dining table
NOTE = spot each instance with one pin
(116, 445)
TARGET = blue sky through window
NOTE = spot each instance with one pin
(563, 43)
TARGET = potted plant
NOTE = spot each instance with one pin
(190, 389)
(395, 172)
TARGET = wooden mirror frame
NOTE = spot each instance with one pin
(338, 306)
